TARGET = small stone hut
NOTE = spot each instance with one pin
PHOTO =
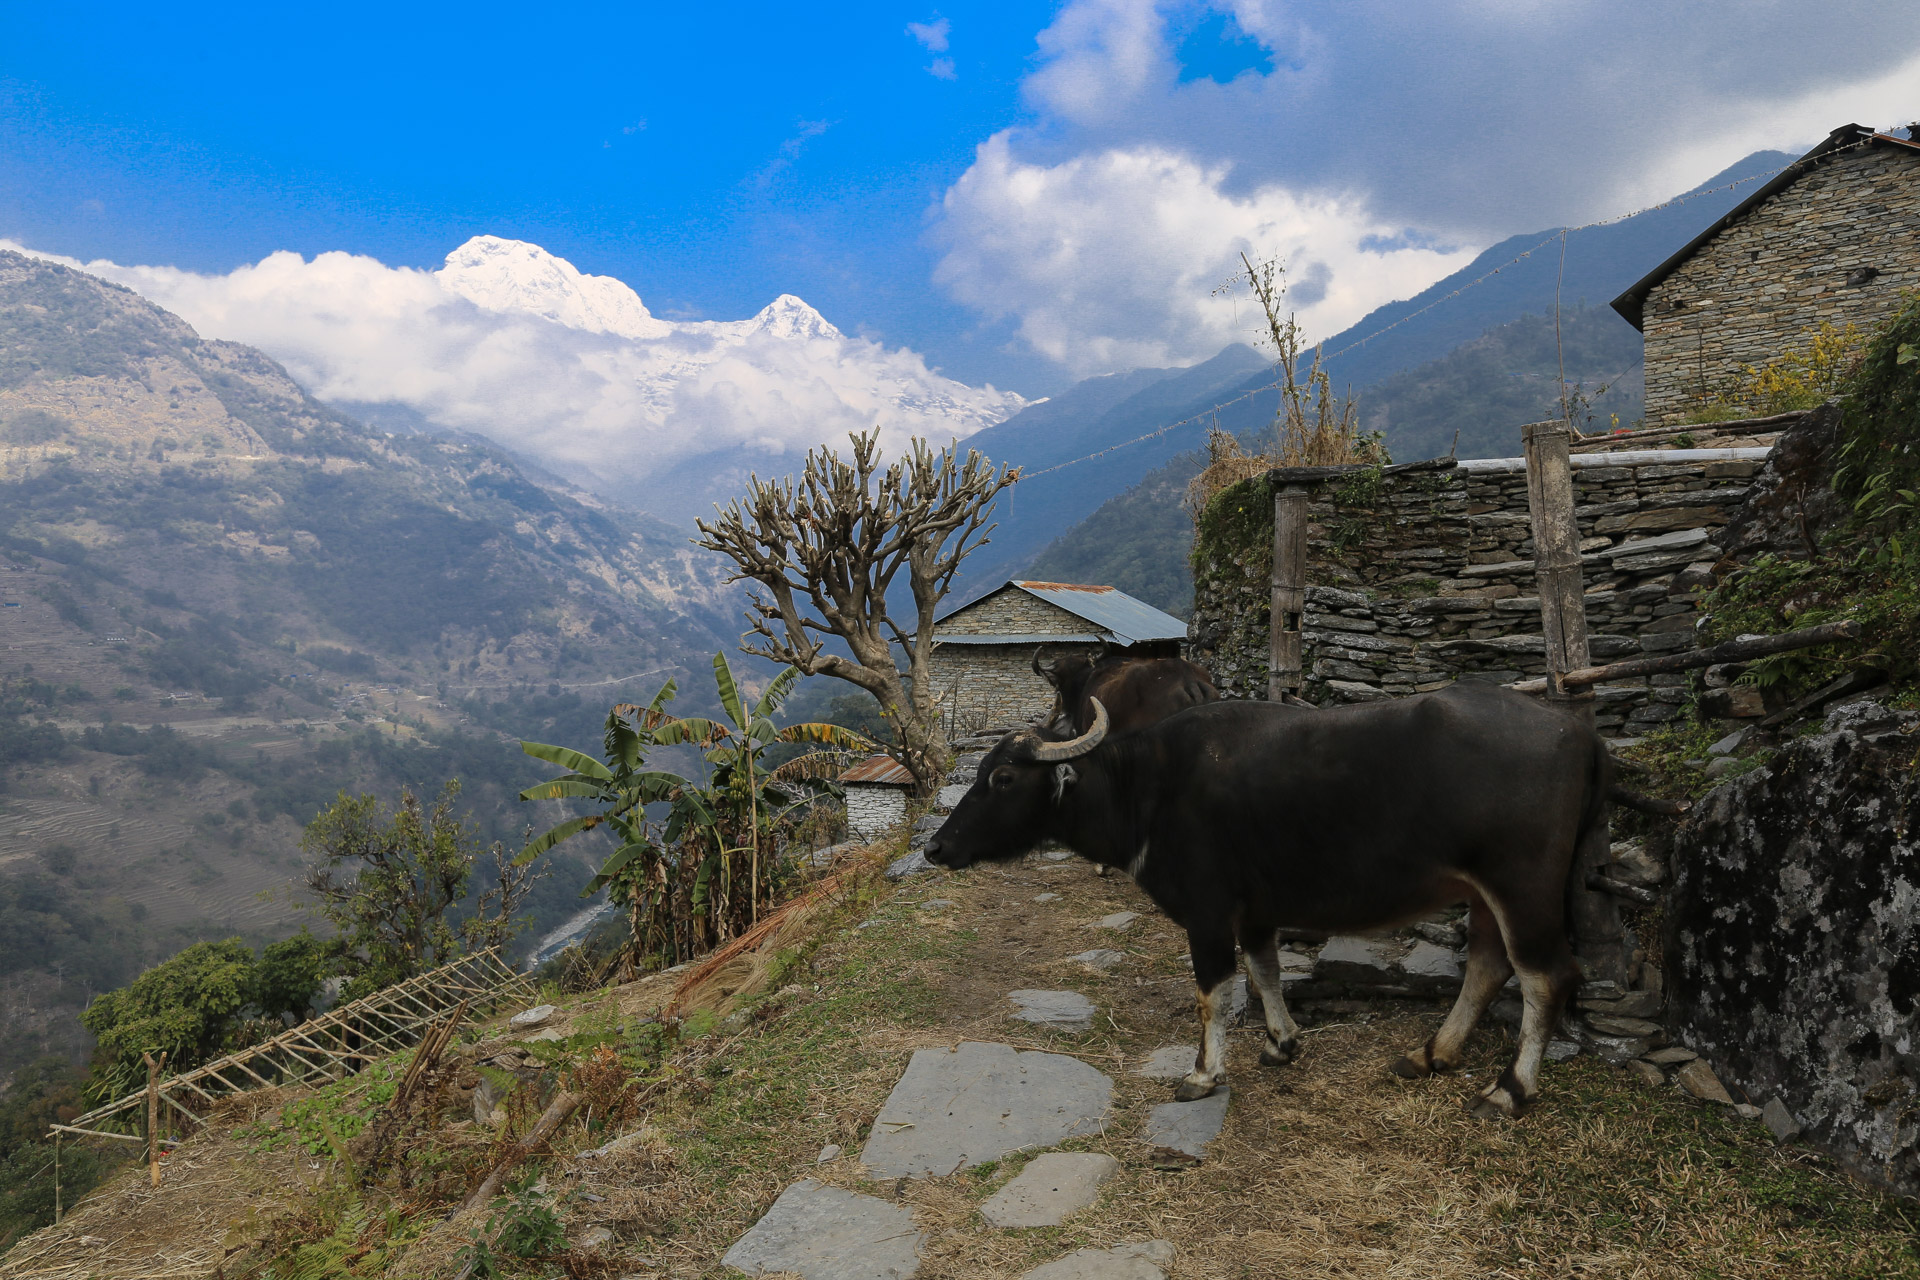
(877, 790)
(1829, 240)
(983, 651)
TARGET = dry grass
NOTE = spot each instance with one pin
(217, 1200)
(1330, 1168)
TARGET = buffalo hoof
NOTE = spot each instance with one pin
(1279, 1055)
(1193, 1091)
(1498, 1104)
(1409, 1068)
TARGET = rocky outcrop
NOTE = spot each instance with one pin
(1790, 503)
(1792, 939)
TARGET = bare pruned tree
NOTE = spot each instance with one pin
(825, 550)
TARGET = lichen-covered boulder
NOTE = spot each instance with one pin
(1793, 940)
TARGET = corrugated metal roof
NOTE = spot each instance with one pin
(1117, 616)
(1631, 304)
(882, 770)
(1130, 621)
(958, 637)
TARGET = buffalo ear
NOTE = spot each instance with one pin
(1063, 777)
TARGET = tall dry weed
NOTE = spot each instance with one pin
(1312, 427)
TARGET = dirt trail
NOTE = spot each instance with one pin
(1329, 1167)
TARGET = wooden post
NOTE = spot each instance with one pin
(56, 1177)
(1289, 592)
(153, 1115)
(1598, 938)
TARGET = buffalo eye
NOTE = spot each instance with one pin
(1001, 779)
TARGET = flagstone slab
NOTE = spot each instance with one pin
(1170, 1063)
(1122, 1262)
(954, 1109)
(1053, 1185)
(1101, 958)
(1061, 1010)
(1187, 1127)
(820, 1232)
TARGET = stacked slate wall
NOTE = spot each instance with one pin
(1835, 247)
(1421, 578)
(993, 686)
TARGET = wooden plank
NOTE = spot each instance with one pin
(182, 1108)
(1728, 651)
(1599, 939)
(1308, 475)
(1289, 585)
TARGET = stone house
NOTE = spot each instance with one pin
(983, 650)
(877, 790)
(1829, 240)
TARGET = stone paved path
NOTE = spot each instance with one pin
(960, 1108)
(1088, 982)
(1052, 1186)
(824, 1233)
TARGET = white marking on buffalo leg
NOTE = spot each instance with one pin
(1283, 1035)
(1139, 863)
(1211, 1070)
(1487, 971)
(1516, 1088)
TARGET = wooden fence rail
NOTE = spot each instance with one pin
(335, 1044)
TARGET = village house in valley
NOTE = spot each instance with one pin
(984, 650)
(1829, 240)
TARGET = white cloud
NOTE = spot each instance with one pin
(1111, 259)
(1479, 119)
(931, 35)
(605, 393)
(1101, 223)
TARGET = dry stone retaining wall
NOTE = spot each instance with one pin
(1422, 578)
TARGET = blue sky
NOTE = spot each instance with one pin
(1023, 192)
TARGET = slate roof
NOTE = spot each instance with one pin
(1631, 303)
(882, 771)
(1117, 617)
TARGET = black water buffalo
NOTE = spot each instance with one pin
(1135, 691)
(1239, 818)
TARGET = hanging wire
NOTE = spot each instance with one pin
(1559, 235)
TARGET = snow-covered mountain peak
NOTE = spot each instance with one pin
(514, 276)
(789, 317)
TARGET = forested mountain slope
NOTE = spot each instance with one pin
(224, 602)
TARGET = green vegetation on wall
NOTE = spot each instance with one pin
(1869, 568)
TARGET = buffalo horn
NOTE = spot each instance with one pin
(1049, 752)
(1037, 668)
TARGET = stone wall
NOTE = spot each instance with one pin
(1422, 578)
(992, 686)
(1793, 940)
(1011, 611)
(874, 811)
(1836, 246)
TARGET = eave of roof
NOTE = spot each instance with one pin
(974, 637)
(1631, 304)
(1117, 616)
(882, 771)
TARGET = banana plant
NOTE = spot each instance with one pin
(734, 750)
(689, 856)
